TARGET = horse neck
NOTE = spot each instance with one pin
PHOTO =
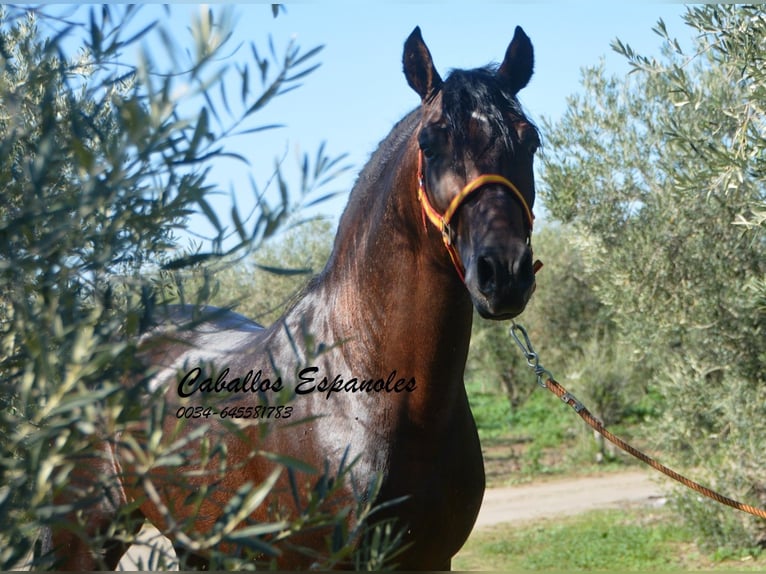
(391, 283)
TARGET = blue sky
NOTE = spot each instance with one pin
(359, 92)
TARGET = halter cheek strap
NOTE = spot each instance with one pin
(442, 221)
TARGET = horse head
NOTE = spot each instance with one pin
(476, 181)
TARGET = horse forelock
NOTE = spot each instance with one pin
(479, 94)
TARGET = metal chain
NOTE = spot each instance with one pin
(519, 334)
(545, 379)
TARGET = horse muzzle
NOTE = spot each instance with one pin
(501, 282)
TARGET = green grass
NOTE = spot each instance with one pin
(543, 437)
(540, 416)
(636, 539)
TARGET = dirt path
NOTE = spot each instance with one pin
(568, 496)
(513, 504)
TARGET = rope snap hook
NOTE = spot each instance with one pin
(521, 337)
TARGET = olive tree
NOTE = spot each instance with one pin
(102, 163)
(663, 173)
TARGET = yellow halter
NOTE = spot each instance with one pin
(441, 222)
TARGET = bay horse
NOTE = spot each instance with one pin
(372, 354)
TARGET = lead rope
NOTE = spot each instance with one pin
(545, 379)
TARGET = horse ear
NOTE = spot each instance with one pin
(516, 68)
(419, 67)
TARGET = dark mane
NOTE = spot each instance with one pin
(375, 167)
(362, 201)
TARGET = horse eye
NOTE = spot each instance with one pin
(529, 138)
(431, 141)
(424, 144)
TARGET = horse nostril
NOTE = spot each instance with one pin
(522, 264)
(485, 271)
(495, 273)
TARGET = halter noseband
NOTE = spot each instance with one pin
(441, 222)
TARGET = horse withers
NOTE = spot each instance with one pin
(371, 356)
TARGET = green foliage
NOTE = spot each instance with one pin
(661, 174)
(263, 284)
(561, 317)
(491, 414)
(569, 328)
(101, 165)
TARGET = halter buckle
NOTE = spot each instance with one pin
(446, 233)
